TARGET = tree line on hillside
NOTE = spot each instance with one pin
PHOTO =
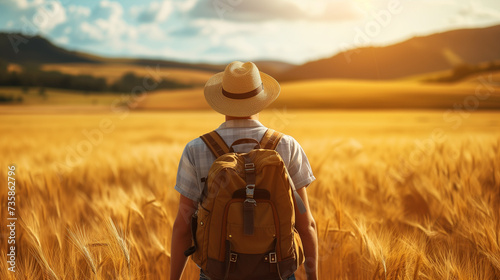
(33, 76)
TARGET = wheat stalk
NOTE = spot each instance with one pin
(80, 240)
(121, 243)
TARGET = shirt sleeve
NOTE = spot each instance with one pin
(187, 179)
(299, 167)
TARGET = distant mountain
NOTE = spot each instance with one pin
(38, 50)
(418, 55)
(18, 48)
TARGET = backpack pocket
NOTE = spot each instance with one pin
(199, 257)
(263, 239)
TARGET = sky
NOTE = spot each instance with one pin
(219, 31)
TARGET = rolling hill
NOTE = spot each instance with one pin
(415, 56)
(21, 49)
(39, 50)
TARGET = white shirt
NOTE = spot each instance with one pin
(196, 158)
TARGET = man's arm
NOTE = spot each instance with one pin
(181, 237)
(306, 226)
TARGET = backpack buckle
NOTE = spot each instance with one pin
(249, 167)
(233, 257)
(272, 257)
(250, 188)
(251, 201)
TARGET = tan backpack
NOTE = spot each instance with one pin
(244, 227)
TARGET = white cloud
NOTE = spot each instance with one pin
(109, 10)
(93, 33)
(155, 12)
(52, 14)
(79, 12)
(103, 25)
(107, 26)
(38, 16)
(20, 4)
(473, 12)
(324, 10)
(294, 41)
(264, 10)
(152, 31)
(185, 6)
(62, 40)
(475, 9)
(215, 31)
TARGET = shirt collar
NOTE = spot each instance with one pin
(240, 123)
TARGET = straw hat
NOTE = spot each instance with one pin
(241, 90)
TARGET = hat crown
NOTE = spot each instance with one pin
(241, 77)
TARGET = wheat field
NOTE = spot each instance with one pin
(398, 195)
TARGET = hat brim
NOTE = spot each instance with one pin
(240, 107)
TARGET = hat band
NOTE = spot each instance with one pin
(244, 95)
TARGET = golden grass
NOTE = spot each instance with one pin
(476, 92)
(350, 94)
(389, 203)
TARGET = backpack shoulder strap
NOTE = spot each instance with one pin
(215, 143)
(270, 139)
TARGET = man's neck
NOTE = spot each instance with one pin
(252, 117)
